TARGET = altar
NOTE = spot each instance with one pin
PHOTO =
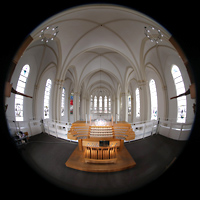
(100, 148)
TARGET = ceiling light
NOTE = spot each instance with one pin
(49, 33)
(153, 34)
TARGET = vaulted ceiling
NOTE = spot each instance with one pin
(100, 46)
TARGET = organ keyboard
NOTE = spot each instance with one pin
(101, 131)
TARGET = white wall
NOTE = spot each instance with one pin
(162, 103)
(49, 73)
(29, 89)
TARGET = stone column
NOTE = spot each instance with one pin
(113, 107)
(116, 107)
(103, 104)
(132, 105)
(145, 109)
(82, 106)
(87, 99)
(124, 106)
(97, 104)
(76, 106)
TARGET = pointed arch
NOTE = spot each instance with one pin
(154, 99)
(180, 89)
(19, 100)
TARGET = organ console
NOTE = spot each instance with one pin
(101, 145)
(100, 150)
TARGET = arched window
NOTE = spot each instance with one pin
(154, 100)
(19, 100)
(137, 95)
(109, 105)
(91, 103)
(47, 93)
(100, 104)
(129, 104)
(180, 88)
(63, 102)
(105, 104)
(95, 103)
(71, 109)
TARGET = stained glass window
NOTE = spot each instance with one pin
(154, 101)
(47, 94)
(129, 104)
(71, 103)
(19, 100)
(180, 88)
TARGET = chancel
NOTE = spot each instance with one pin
(100, 79)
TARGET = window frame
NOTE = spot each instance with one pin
(95, 103)
(129, 105)
(180, 88)
(137, 102)
(105, 104)
(63, 102)
(153, 100)
(100, 104)
(47, 97)
(21, 86)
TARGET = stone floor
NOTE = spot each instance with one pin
(153, 155)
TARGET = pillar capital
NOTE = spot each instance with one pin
(124, 93)
(141, 82)
(76, 93)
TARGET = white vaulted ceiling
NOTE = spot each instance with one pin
(100, 41)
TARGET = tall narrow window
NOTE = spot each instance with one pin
(109, 105)
(71, 103)
(47, 93)
(19, 100)
(63, 102)
(95, 103)
(91, 103)
(137, 97)
(100, 104)
(129, 104)
(105, 104)
(154, 100)
(180, 88)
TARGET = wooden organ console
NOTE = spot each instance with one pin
(82, 130)
(100, 150)
(101, 145)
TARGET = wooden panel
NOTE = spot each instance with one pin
(100, 154)
(17, 56)
(183, 57)
(107, 161)
(123, 161)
